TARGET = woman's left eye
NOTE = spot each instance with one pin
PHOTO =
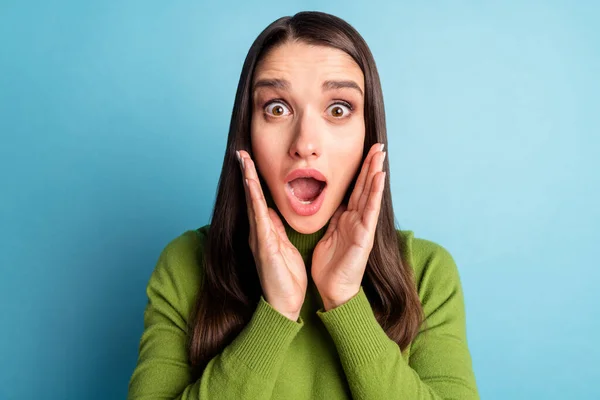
(339, 110)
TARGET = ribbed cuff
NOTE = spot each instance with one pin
(262, 344)
(356, 333)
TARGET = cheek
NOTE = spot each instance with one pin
(346, 165)
(348, 159)
(349, 146)
(269, 147)
(266, 158)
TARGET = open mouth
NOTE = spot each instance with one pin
(306, 195)
(306, 190)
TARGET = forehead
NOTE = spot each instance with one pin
(299, 61)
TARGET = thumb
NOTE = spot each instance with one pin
(278, 225)
(334, 221)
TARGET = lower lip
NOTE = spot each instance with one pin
(305, 209)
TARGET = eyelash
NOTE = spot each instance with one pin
(336, 101)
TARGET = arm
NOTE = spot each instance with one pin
(440, 364)
(246, 369)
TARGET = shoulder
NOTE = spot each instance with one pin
(186, 245)
(434, 268)
(181, 255)
(177, 275)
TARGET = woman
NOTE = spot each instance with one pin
(301, 287)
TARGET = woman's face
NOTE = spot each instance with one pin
(308, 129)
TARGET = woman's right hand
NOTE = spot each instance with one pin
(280, 266)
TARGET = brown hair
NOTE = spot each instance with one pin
(230, 287)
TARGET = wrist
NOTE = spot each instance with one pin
(294, 316)
(283, 310)
(289, 315)
(331, 302)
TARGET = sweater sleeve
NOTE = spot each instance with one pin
(439, 366)
(246, 369)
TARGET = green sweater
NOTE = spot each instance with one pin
(342, 353)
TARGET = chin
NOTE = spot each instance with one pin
(305, 225)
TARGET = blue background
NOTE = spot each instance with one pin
(113, 121)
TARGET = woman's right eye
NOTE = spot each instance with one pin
(277, 109)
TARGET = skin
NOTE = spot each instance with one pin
(307, 135)
(297, 122)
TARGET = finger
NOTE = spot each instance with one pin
(376, 166)
(373, 207)
(257, 197)
(251, 172)
(249, 210)
(252, 175)
(360, 181)
(261, 214)
(334, 221)
(246, 192)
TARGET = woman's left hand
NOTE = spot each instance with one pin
(340, 258)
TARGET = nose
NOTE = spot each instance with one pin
(307, 139)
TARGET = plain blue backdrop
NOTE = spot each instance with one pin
(113, 122)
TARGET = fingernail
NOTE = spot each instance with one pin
(384, 154)
(239, 157)
(382, 146)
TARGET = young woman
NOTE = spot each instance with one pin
(301, 287)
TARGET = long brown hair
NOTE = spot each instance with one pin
(230, 288)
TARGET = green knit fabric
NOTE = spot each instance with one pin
(342, 353)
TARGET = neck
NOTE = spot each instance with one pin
(304, 242)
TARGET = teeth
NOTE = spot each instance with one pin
(301, 201)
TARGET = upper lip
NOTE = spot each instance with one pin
(305, 173)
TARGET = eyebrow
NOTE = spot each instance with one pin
(273, 83)
(331, 85)
(327, 85)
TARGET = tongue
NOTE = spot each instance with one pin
(306, 189)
